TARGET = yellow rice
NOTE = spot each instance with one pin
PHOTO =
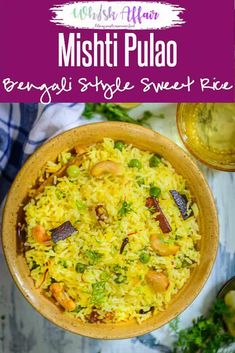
(74, 200)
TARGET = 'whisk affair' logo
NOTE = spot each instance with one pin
(118, 14)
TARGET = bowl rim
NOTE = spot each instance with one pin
(223, 290)
(141, 330)
(191, 150)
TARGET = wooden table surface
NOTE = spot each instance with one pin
(23, 330)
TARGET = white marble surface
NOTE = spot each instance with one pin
(23, 330)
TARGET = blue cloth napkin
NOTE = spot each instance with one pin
(24, 127)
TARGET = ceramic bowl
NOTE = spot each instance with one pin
(142, 138)
(227, 287)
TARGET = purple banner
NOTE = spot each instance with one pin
(181, 51)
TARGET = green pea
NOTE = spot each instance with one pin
(120, 278)
(154, 161)
(144, 257)
(119, 145)
(73, 171)
(134, 163)
(80, 268)
(154, 191)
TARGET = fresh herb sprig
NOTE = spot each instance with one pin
(125, 209)
(114, 112)
(98, 292)
(93, 256)
(148, 115)
(206, 335)
(109, 110)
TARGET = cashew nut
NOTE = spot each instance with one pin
(157, 281)
(80, 149)
(57, 290)
(162, 248)
(39, 234)
(106, 167)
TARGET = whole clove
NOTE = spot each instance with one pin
(142, 312)
(124, 243)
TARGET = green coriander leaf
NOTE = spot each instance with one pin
(63, 263)
(115, 112)
(80, 205)
(90, 109)
(78, 308)
(93, 256)
(207, 333)
(98, 292)
(110, 111)
(125, 209)
(174, 324)
(148, 115)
